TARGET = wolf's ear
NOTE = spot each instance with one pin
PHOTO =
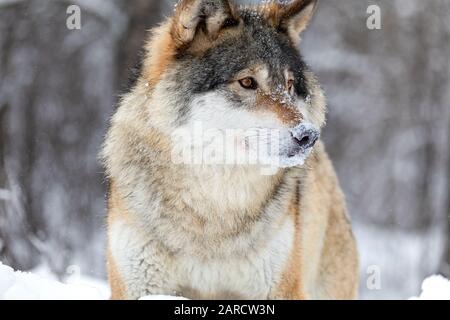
(207, 16)
(293, 17)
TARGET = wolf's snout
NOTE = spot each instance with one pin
(305, 136)
(298, 145)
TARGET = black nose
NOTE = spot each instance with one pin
(305, 136)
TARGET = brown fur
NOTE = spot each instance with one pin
(161, 52)
(287, 113)
(282, 16)
(116, 212)
(115, 280)
(290, 286)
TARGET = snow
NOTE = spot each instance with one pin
(435, 288)
(42, 285)
(15, 285)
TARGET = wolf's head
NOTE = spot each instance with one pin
(237, 70)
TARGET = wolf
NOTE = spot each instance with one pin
(226, 230)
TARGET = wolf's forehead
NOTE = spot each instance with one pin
(256, 43)
(266, 43)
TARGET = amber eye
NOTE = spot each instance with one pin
(291, 84)
(248, 83)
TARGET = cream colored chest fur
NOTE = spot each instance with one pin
(252, 276)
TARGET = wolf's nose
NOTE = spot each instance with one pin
(305, 135)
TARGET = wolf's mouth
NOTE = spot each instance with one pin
(294, 159)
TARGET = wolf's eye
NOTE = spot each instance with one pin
(248, 83)
(229, 23)
(291, 84)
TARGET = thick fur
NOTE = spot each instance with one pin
(224, 231)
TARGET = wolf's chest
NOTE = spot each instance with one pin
(146, 269)
(250, 277)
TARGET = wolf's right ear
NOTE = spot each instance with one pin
(292, 17)
(208, 16)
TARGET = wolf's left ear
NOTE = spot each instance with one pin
(205, 16)
(293, 17)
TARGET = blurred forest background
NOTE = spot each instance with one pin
(388, 132)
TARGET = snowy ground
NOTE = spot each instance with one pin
(435, 288)
(41, 285)
(28, 286)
